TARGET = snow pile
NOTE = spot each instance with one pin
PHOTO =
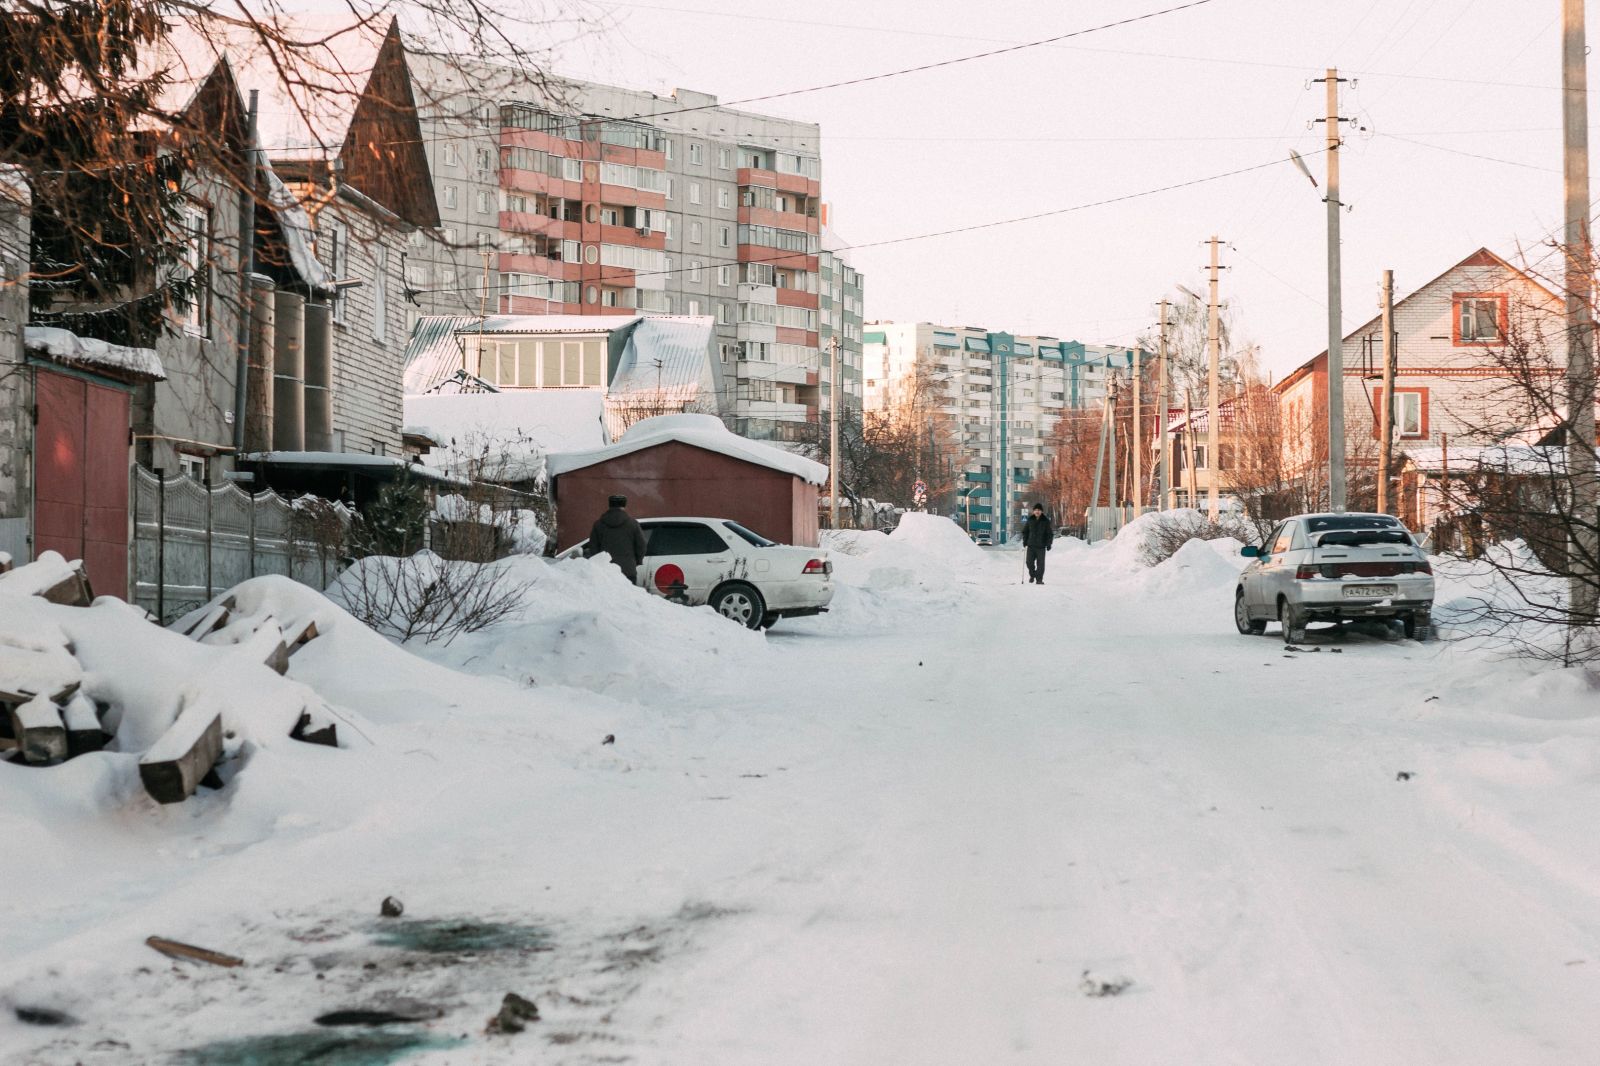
(851, 542)
(1144, 540)
(926, 564)
(1197, 567)
(582, 625)
(506, 436)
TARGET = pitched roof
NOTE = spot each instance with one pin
(1483, 257)
(698, 431)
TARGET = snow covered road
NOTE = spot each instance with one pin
(923, 829)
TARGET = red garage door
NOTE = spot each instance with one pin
(81, 489)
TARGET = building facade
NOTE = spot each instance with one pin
(1450, 381)
(589, 199)
(1001, 395)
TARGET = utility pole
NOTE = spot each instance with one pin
(1336, 476)
(833, 434)
(1580, 324)
(1164, 389)
(1386, 428)
(1213, 374)
(1111, 465)
(1139, 494)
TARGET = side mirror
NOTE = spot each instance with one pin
(1250, 551)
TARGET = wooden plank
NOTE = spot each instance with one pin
(171, 770)
(298, 635)
(175, 949)
(71, 591)
(84, 732)
(39, 730)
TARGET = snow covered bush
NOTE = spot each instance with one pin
(1161, 535)
(426, 596)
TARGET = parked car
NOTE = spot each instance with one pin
(983, 540)
(1332, 568)
(741, 574)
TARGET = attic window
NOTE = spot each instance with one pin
(1480, 318)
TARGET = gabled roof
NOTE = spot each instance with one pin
(698, 431)
(434, 354)
(1483, 257)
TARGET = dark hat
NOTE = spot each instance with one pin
(1038, 507)
(618, 501)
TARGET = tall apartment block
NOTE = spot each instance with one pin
(1004, 393)
(580, 198)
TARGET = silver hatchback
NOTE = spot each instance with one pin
(1333, 568)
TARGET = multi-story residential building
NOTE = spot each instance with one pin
(1002, 394)
(569, 197)
(840, 317)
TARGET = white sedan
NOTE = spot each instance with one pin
(741, 574)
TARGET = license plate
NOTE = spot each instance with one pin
(1368, 591)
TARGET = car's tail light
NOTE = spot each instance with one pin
(1305, 573)
(818, 566)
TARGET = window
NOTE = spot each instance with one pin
(722, 159)
(485, 205)
(452, 158)
(697, 153)
(684, 539)
(1408, 413)
(192, 467)
(724, 197)
(1479, 318)
(337, 260)
(725, 276)
(672, 187)
(666, 146)
(694, 306)
(694, 271)
(380, 293)
(694, 192)
(551, 364)
(724, 312)
(725, 236)
(448, 195)
(485, 159)
(696, 233)
(197, 258)
(754, 538)
(672, 227)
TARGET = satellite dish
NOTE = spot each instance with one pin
(1300, 165)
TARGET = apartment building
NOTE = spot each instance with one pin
(1003, 393)
(571, 197)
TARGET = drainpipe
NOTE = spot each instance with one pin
(247, 267)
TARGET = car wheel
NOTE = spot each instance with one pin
(1294, 627)
(1418, 626)
(1250, 627)
(769, 620)
(740, 603)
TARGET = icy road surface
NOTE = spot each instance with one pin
(944, 825)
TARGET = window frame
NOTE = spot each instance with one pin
(1502, 314)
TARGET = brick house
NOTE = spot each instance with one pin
(1447, 333)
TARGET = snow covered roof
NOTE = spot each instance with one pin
(350, 460)
(699, 431)
(66, 347)
(294, 224)
(507, 435)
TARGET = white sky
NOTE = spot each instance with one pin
(1166, 100)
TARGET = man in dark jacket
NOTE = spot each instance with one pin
(1036, 537)
(618, 535)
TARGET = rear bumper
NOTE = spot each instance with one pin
(1394, 608)
(786, 598)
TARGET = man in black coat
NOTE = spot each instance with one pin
(617, 534)
(1036, 537)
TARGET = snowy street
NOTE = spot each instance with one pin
(943, 824)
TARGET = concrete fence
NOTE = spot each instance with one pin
(192, 541)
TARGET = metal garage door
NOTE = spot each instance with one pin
(81, 487)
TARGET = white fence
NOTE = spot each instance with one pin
(191, 542)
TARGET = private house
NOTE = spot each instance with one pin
(508, 389)
(1448, 332)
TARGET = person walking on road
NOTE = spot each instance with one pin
(618, 535)
(1036, 537)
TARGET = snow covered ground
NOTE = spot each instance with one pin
(938, 825)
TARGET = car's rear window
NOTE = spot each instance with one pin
(1327, 522)
(1355, 537)
(754, 538)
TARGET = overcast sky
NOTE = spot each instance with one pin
(1170, 99)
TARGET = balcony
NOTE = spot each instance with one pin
(534, 224)
(795, 183)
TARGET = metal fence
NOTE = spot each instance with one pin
(192, 541)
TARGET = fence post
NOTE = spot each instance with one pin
(254, 497)
(161, 545)
(133, 542)
(210, 530)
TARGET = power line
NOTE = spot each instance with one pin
(1469, 155)
(935, 65)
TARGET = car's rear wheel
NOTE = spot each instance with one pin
(1294, 626)
(740, 603)
(1418, 626)
(1250, 627)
